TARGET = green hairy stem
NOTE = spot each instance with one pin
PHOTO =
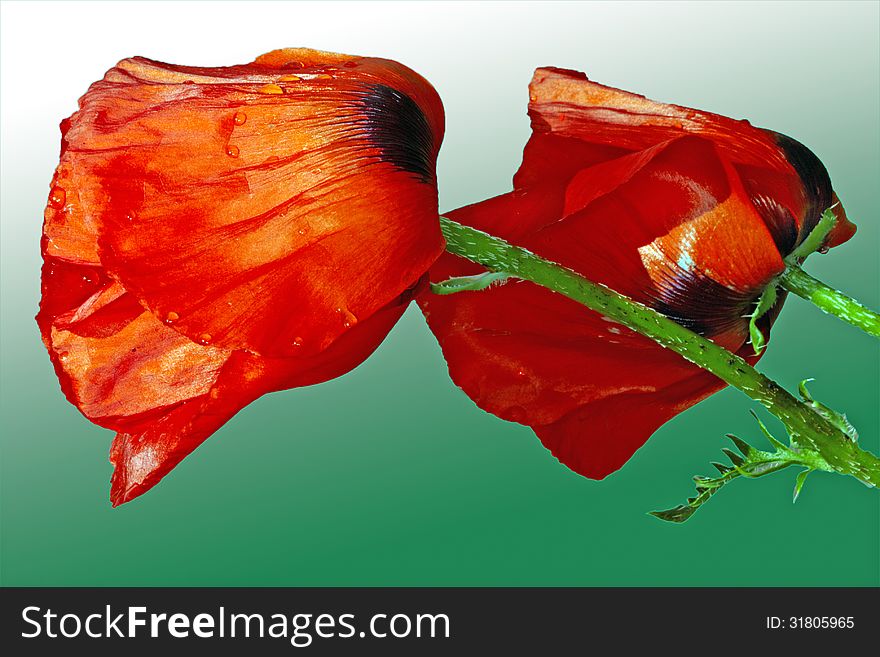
(831, 301)
(819, 436)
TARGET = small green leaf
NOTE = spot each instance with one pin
(765, 302)
(815, 240)
(799, 483)
(753, 463)
(839, 420)
(744, 448)
(470, 283)
(766, 467)
(802, 389)
(677, 514)
(769, 436)
(735, 458)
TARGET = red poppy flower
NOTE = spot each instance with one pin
(688, 212)
(214, 234)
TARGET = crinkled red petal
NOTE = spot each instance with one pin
(266, 207)
(688, 212)
(145, 451)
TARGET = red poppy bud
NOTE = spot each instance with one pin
(688, 212)
(214, 234)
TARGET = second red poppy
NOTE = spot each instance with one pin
(688, 212)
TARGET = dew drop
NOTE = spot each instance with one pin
(520, 373)
(214, 394)
(57, 197)
(239, 118)
(232, 150)
(532, 98)
(294, 64)
(130, 217)
(348, 319)
(290, 78)
(271, 89)
(322, 76)
(303, 230)
(350, 64)
(205, 338)
(297, 341)
(171, 317)
(63, 356)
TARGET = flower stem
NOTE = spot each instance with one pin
(806, 426)
(829, 300)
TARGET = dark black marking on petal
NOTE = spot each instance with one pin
(813, 175)
(396, 125)
(779, 221)
(700, 303)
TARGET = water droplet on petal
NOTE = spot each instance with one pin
(239, 118)
(520, 373)
(532, 98)
(294, 64)
(350, 64)
(232, 150)
(304, 230)
(214, 394)
(290, 78)
(63, 356)
(205, 338)
(271, 89)
(322, 76)
(57, 197)
(297, 341)
(171, 317)
(348, 319)
(130, 217)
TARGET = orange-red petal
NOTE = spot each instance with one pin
(266, 207)
(688, 212)
(577, 123)
(215, 234)
(147, 448)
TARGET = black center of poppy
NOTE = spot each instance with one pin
(396, 125)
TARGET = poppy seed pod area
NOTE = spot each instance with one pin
(214, 234)
(689, 213)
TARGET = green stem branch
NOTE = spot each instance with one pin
(808, 428)
(829, 300)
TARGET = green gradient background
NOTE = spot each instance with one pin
(390, 475)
